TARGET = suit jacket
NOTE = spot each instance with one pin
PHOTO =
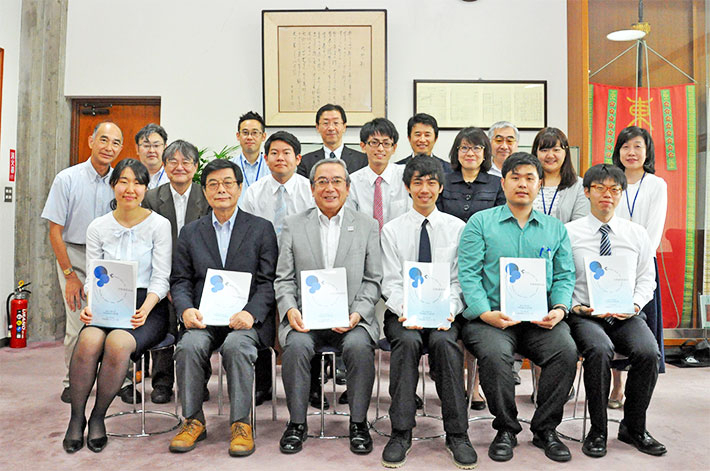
(444, 164)
(358, 252)
(354, 160)
(252, 249)
(160, 200)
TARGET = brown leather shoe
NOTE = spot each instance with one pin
(191, 432)
(242, 443)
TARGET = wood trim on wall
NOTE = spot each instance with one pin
(577, 79)
(2, 67)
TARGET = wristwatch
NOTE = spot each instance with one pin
(562, 308)
(68, 271)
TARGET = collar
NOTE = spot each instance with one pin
(243, 160)
(290, 184)
(388, 175)
(178, 196)
(434, 217)
(93, 174)
(338, 152)
(482, 177)
(337, 219)
(595, 224)
(506, 214)
(228, 224)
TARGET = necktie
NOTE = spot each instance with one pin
(377, 202)
(424, 244)
(280, 209)
(605, 250)
(332, 154)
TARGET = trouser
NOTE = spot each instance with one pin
(192, 356)
(77, 257)
(597, 342)
(359, 354)
(162, 372)
(445, 360)
(553, 350)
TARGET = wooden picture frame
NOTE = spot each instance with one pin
(458, 104)
(704, 305)
(314, 57)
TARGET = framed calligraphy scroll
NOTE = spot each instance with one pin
(457, 104)
(314, 57)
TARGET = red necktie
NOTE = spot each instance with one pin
(377, 202)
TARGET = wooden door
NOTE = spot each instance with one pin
(130, 114)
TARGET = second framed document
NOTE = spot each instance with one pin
(523, 288)
(427, 290)
(225, 293)
(324, 298)
(112, 293)
(610, 280)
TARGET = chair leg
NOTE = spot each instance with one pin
(273, 384)
(322, 395)
(142, 394)
(253, 401)
(534, 383)
(422, 362)
(219, 390)
(379, 366)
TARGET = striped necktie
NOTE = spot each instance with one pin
(377, 211)
(280, 209)
(605, 250)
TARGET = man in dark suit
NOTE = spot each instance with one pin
(226, 239)
(180, 201)
(423, 131)
(331, 122)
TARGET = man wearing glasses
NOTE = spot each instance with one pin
(150, 144)
(180, 202)
(599, 334)
(504, 137)
(250, 133)
(225, 239)
(378, 190)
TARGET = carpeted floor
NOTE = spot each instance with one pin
(35, 420)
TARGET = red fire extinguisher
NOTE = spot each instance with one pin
(17, 303)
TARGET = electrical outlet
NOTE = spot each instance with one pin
(8, 194)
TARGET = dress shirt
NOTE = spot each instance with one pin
(463, 199)
(338, 152)
(567, 205)
(495, 233)
(180, 202)
(224, 234)
(626, 238)
(400, 244)
(495, 171)
(651, 206)
(78, 196)
(330, 235)
(149, 243)
(158, 178)
(259, 198)
(252, 172)
(395, 199)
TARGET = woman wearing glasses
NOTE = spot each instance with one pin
(128, 233)
(561, 194)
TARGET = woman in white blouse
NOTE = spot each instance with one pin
(645, 201)
(128, 233)
(561, 194)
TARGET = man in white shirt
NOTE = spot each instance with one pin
(250, 133)
(423, 131)
(504, 137)
(378, 189)
(150, 145)
(598, 334)
(426, 235)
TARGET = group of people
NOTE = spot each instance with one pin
(276, 213)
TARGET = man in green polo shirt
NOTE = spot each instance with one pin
(515, 230)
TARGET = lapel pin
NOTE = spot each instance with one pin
(351, 228)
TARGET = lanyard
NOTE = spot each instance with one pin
(258, 169)
(544, 208)
(632, 206)
(162, 172)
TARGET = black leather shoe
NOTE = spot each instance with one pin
(478, 405)
(293, 438)
(126, 394)
(340, 376)
(550, 442)
(161, 395)
(595, 444)
(343, 399)
(97, 444)
(72, 445)
(418, 401)
(262, 396)
(314, 400)
(395, 453)
(461, 450)
(66, 396)
(501, 448)
(360, 440)
(643, 441)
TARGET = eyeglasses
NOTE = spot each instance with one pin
(510, 140)
(602, 189)
(253, 133)
(323, 182)
(213, 185)
(155, 146)
(186, 164)
(465, 149)
(384, 144)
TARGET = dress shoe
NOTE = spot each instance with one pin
(395, 453)
(97, 444)
(340, 376)
(262, 396)
(66, 395)
(360, 440)
(72, 445)
(478, 405)
(643, 441)
(595, 444)
(614, 404)
(314, 400)
(126, 394)
(550, 442)
(501, 448)
(242, 443)
(293, 438)
(343, 399)
(461, 450)
(161, 395)
(418, 402)
(191, 432)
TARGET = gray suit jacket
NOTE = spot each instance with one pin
(358, 252)
(160, 200)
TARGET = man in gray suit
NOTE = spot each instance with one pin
(329, 236)
(180, 201)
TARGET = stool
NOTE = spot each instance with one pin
(323, 351)
(384, 345)
(167, 342)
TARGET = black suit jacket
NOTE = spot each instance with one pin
(444, 164)
(354, 160)
(252, 249)
(160, 200)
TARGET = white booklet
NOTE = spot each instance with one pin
(112, 293)
(324, 298)
(611, 282)
(224, 294)
(523, 288)
(427, 288)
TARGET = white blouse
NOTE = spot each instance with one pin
(651, 196)
(149, 243)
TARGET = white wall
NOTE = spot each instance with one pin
(204, 58)
(10, 13)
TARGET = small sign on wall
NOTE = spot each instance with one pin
(12, 165)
